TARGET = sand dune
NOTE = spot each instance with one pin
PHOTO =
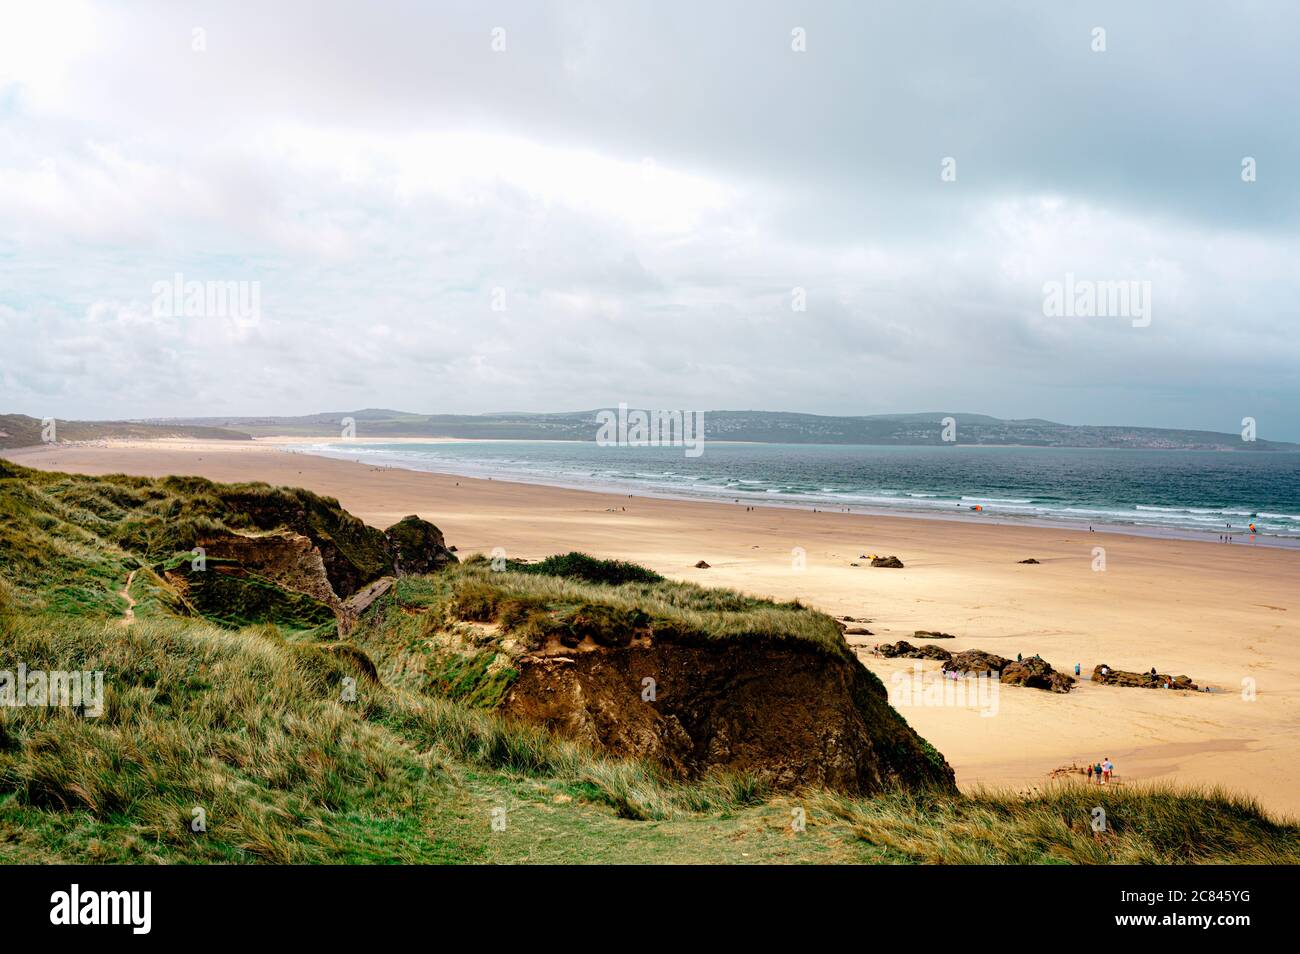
(1224, 615)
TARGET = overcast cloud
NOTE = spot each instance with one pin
(642, 186)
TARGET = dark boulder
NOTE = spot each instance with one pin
(905, 650)
(1036, 673)
(975, 660)
(417, 546)
(1141, 680)
(891, 562)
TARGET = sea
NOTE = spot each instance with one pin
(1197, 494)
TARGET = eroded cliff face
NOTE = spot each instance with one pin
(283, 576)
(283, 557)
(791, 713)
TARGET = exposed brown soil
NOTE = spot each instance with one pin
(793, 714)
(287, 559)
(128, 615)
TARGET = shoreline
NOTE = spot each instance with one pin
(1221, 614)
(449, 468)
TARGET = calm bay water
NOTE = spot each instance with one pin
(1200, 492)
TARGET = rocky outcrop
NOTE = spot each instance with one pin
(905, 650)
(1033, 673)
(283, 577)
(352, 552)
(931, 634)
(1141, 680)
(283, 557)
(975, 660)
(891, 562)
(416, 546)
(1030, 560)
(701, 565)
(226, 592)
(1036, 673)
(790, 712)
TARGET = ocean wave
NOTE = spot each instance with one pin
(797, 481)
(1227, 512)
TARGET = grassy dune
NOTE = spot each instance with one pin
(254, 729)
(295, 753)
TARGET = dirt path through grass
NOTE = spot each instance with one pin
(128, 617)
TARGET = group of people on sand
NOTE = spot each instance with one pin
(1101, 771)
(1077, 666)
(1228, 537)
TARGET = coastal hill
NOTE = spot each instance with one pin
(19, 430)
(776, 427)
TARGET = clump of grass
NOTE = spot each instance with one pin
(478, 679)
(6, 598)
(589, 569)
(475, 600)
(1144, 824)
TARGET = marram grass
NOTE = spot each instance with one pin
(252, 728)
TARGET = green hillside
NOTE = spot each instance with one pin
(18, 430)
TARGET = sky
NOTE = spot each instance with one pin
(463, 207)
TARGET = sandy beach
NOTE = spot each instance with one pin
(1224, 615)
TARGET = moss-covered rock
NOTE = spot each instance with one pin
(416, 546)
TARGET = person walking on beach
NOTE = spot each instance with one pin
(1096, 770)
(1106, 768)
(1089, 774)
(1076, 670)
